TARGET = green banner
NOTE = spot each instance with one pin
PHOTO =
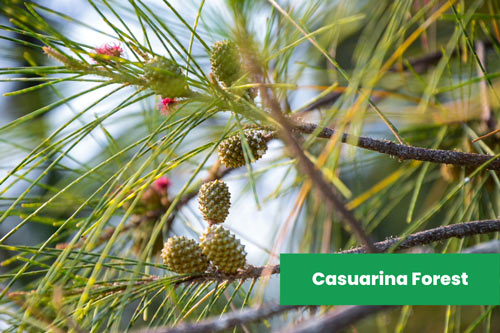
(390, 279)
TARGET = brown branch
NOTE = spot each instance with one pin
(405, 152)
(425, 237)
(337, 319)
(460, 230)
(226, 321)
(343, 316)
(250, 272)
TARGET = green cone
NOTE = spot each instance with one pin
(222, 248)
(184, 256)
(214, 201)
(165, 78)
(225, 61)
(231, 149)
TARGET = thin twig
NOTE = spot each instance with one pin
(405, 152)
(226, 321)
(250, 272)
(335, 320)
(482, 137)
(460, 230)
(344, 316)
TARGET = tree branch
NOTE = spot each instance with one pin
(337, 319)
(226, 321)
(340, 317)
(460, 230)
(405, 152)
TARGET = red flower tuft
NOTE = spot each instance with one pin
(166, 104)
(114, 50)
(162, 183)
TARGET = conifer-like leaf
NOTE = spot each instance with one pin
(390, 108)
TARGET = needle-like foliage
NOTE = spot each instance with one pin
(377, 119)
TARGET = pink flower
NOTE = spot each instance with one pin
(113, 50)
(165, 105)
(162, 183)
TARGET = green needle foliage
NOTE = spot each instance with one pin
(113, 119)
